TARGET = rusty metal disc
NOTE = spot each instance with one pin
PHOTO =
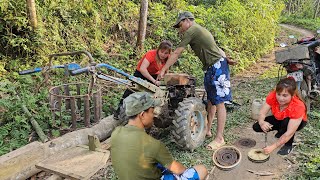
(226, 157)
(257, 156)
(245, 143)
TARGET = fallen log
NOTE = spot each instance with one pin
(20, 163)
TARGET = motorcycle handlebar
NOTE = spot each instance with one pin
(313, 44)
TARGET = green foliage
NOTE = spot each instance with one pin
(311, 24)
(15, 128)
(310, 148)
(108, 29)
(302, 8)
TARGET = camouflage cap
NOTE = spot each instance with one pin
(138, 102)
(182, 16)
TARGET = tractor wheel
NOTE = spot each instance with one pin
(190, 123)
(303, 91)
(122, 116)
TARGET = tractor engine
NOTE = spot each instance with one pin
(179, 86)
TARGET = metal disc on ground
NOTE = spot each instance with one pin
(245, 143)
(226, 157)
(257, 156)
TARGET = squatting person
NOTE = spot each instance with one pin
(289, 115)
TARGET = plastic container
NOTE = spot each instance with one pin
(255, 108)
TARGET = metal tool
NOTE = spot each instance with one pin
(265, 139)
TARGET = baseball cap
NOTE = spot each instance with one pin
(182, 16)
(138, 102)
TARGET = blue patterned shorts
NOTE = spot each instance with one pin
(217, 82)
(189, 174)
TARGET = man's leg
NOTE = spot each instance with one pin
(201, 170)
(211, 113)
(221, 116)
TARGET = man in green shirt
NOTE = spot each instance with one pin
(215, 66)
(137, 156)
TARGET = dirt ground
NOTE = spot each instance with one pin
(278, 165)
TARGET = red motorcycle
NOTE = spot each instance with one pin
(302, 62)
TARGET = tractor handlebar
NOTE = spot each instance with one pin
(30, 71)
(80, 71)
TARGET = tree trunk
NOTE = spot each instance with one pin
(20, 163)
(31, 7)
(316, 10)
(142, 24)
(290, 7)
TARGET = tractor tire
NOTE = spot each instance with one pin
(190, 124)
(303, 91)
(123, 118)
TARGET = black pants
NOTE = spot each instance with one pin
(127, 92)
(280, 126)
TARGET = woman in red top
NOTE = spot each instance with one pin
(289, 115)
(152, 62)
(149, 67)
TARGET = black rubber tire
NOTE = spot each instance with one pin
(303, 91)
(190, 110)
(122, 116)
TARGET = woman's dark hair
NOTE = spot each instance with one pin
(167, 45)
(289, 84)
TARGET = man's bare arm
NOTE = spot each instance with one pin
(293, 125)
(173, 58)
(176, 167)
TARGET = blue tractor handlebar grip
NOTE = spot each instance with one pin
(80, 71)
(30, 71)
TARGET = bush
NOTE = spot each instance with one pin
(108, 29)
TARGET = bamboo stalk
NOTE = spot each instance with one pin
(34, 123)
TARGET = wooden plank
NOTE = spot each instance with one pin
(73, 112)
(87, 110)
(20, 163)
(78, 99)
(75, 163)
(96, 106)
(106, 144)
(67, 93)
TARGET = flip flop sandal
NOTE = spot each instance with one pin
(212, 146)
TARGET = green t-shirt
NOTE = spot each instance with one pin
(134, 154)
(202, 43)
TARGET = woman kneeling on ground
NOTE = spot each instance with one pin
(289, 115)
(149, 67)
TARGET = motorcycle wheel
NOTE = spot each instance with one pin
(303, 92)
(190, 123)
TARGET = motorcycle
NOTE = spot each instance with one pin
(301, 61)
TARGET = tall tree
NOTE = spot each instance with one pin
(142, 24)
(316, 9)
(31, 7)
